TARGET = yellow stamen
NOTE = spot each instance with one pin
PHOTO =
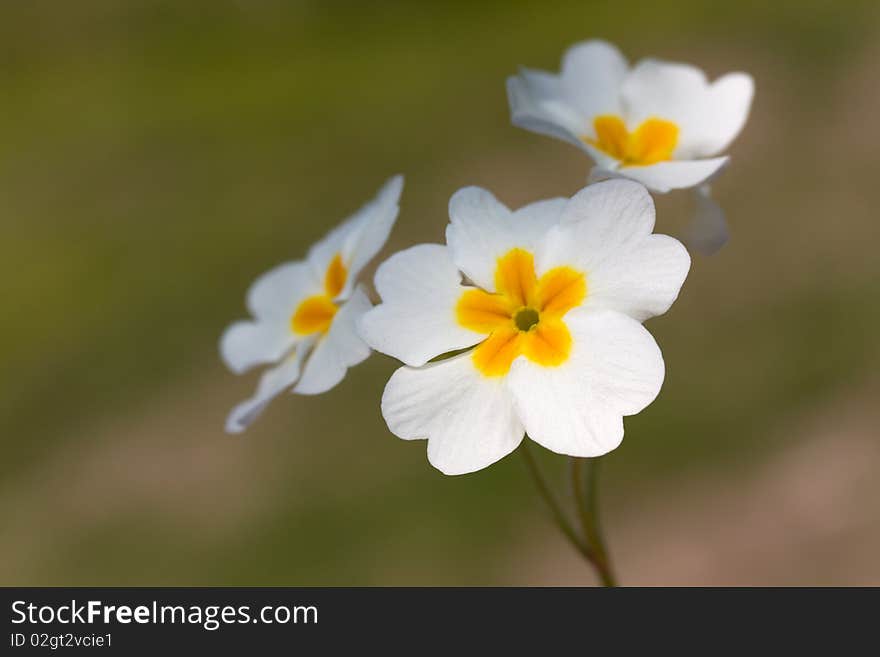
(515, 276)
(315, 314)
(524, 316)
(494, 356)
(548, 344)
(651, 142)
(483, 312)
(334, 279)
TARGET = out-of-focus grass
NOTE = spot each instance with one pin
(155, 157)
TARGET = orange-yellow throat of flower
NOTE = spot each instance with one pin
(653, 141)
(315, 314)
(524, 316)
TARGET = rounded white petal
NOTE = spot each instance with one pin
(358, 239)
(616, 210)
(479, 224)
(537, 218)
(272, 383)
(708, 116)
(468, 419)
(537, 103)
(615, 369)
(730, 99)
(275, 295)
(481, 230)
(663, 176)
(416, 320)
(642, 281)
(338, 350)
(671, 91)
(605, 233)
(591, 78)
(245, 344)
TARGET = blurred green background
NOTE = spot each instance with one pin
(155, 157)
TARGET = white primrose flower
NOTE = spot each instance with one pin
(305, 312)
(547, 303)
(660, 123)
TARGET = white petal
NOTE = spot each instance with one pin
(245, 344)
(671, 91)
(537, 218)
(482, 230)
(592, 74)
(642, 281)
(730, 98)
(272, 383)
(537, 104)
(606, 234)
(708, 231)
(360, 237)
(340, 349)
(615, 369)
(664, 89)
(663, 176)
(616, 209)
(332, 244)
(708, 115)
(477, 222)
(416, 321)
(363, 245)
(276, 294)
(467, 418)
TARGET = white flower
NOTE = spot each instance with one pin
(659, 123)
(305, 312)
(547, 301)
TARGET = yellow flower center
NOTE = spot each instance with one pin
(653, 141)
(524, 316)
(316, 313)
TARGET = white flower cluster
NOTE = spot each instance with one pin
(527, 321)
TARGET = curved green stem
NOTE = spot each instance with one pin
(587, 502)
(555, 509)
